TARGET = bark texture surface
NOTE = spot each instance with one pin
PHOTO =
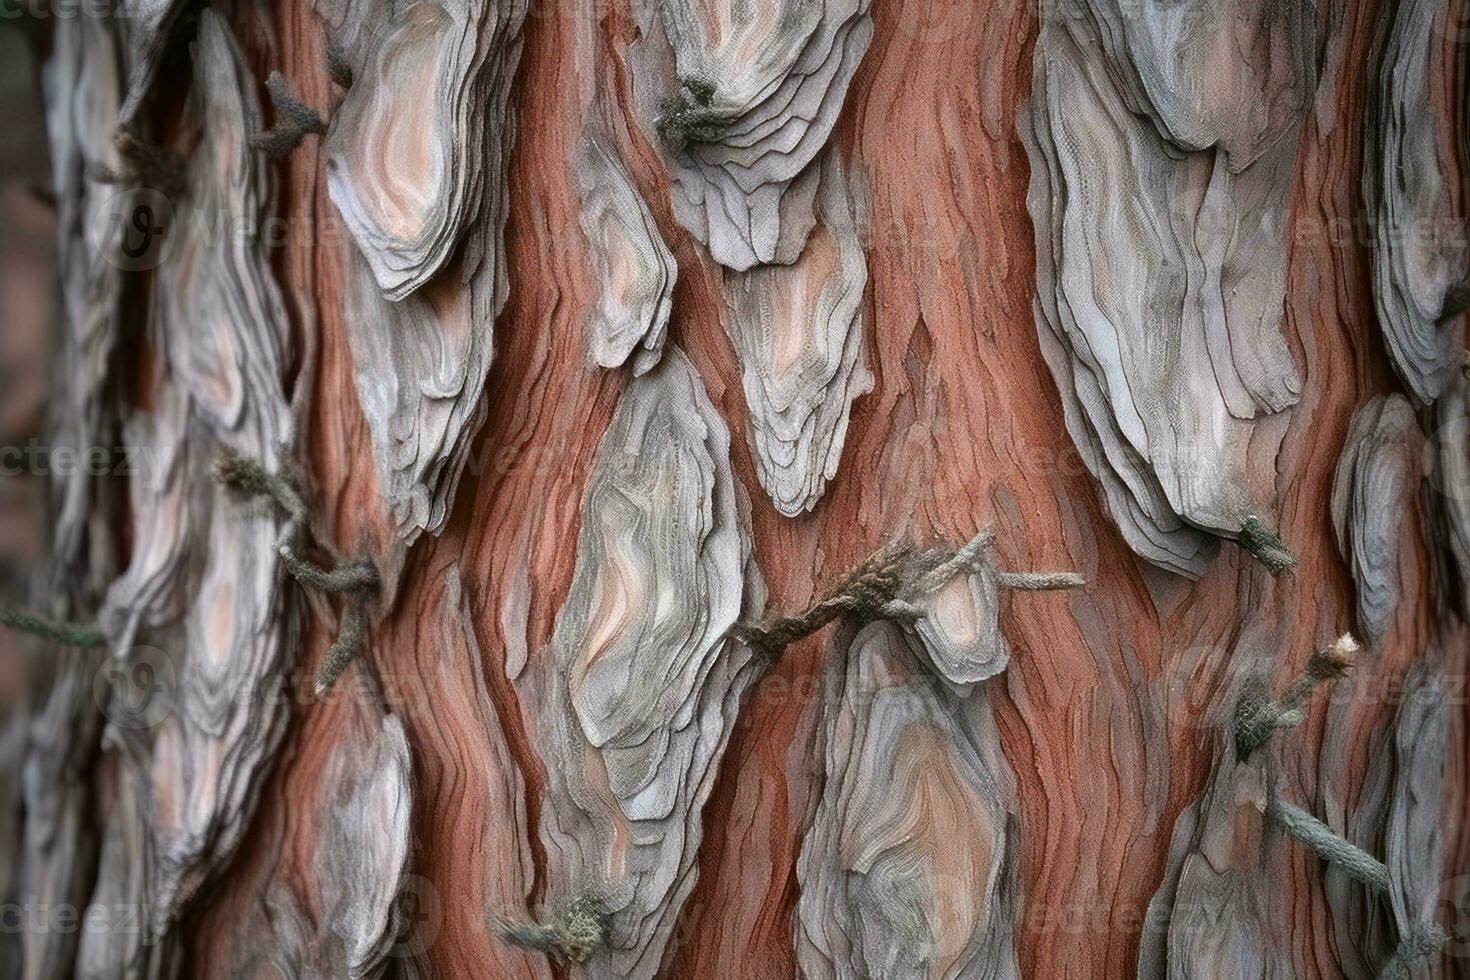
(600, 331)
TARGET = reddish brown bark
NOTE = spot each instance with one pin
(963, 430)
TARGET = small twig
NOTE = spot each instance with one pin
(964, 559)
(1257, 716)
(1326, 666)
(358, 576)
(1041, 581)
(353, 579)
(295, 121)
(338, 68)
(144, 165)
(888, 585)
(865, 589)
(574, 933)
(1307, 829)
(1268, 549)
(346, 648)
(83, 636)
(249, 479)
(1424, 941)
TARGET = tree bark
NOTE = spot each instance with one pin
(589, 355)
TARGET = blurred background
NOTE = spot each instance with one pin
(29, 308)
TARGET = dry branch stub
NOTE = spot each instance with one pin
(573, 933)
(295, 120)
(1257, 716)
(338, 68)
(888, 585)
(65, 632)
(143, 164)
(1264, 544)
(355, 580)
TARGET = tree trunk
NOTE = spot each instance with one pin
(472, 404)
